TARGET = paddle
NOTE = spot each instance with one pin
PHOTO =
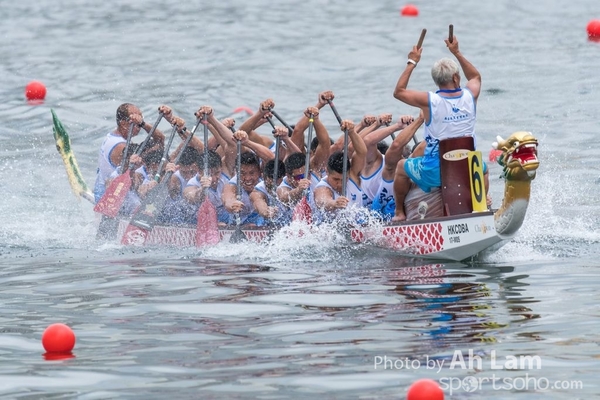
(421, 38)
(302, 211)
(345, 165)
(238, 235)
(144, 218)
(275, 178)
(207, 226)
(290, 130)
(111, 201)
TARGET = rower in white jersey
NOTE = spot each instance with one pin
(329, 198)
(214, 183)
(176, 210)
(265, 200)
(292, 188)
(383, 203)
(448, 113)
(373, 134)
(112, 149)
(250, 175)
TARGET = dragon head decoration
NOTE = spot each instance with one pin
(519, 165)
(519, 156)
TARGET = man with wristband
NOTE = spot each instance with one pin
(448, 113)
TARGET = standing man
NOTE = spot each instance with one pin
(448, 113)
(113, 147)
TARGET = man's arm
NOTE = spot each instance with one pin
(471, 73)
(411, 97)
(302, 124)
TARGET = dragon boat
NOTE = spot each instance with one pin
(460, 229)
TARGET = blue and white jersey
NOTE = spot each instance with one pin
(248, 215)
(314, 181)
(384, 203)
(176, 210)
(353, 194)
(143, 172)
(285, 213)
(451, 117)
(105, 165)
(370, 185)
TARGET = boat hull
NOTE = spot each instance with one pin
(455, 238)
(178, 236)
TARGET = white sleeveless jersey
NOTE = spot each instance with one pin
(182, 183)
(143, 172)
(385, 194)
(451, 116)
(353, 192)
(214, 195)
(105, 165)
(314, 181)
(370, 185)
(248, 206)
(272, 201)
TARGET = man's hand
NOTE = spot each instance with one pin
(347, 125)
(266, 106)
(228, 122)
(312, 110)
(323, 97)
(166, 112)
(280, 131)
(204, 110)
(384, 119)
(341, 202)
(241, 136)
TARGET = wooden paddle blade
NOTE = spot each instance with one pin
(302, 211)
(135, 236)
(110, 203)
(144, 218)
(238, 236)
(207, 229)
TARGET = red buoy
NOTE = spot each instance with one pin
(425, 389)
(593, 29)
(35, 90)
(409, 11)
(245, 109)
(58, 338)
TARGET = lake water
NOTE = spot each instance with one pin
(316, 317)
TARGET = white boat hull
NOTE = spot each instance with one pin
(453, 238)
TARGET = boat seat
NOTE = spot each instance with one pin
(454, 170)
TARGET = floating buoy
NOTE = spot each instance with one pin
(593, 29)
(58, 338)
(425, 389)
(35, 90)
(409, 11)
(245, 109)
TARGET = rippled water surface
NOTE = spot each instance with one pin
(315, 317)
